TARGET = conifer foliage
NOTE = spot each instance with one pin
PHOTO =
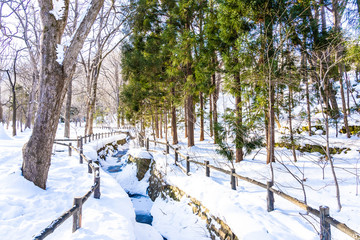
(269, 55)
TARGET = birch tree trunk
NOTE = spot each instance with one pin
(54, 80)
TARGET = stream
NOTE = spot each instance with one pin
(142, 203)
(164, 217)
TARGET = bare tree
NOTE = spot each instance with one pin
(56, 71)
(105, 39)
(24, 27)
(322, 72)
(112, 75)
(70, 31)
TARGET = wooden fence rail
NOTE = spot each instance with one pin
(323, 213)
(76, 209)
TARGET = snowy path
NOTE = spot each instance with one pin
(26, 209)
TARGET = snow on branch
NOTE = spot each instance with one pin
(58, 9)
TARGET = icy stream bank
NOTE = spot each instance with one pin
(174, 220)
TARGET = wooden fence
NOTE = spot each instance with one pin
(323, 213)
(76, 209)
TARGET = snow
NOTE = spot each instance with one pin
(244, 210)
(175, 220)
(25, 209)
(3, 134)
(58, 9)
(59, 53)
(145, 231)
(139, 153)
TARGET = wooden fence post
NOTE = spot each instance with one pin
(147, 144)
(89, 138)
(270, 197)
(89, 166)
(187, 165)
(233, 181)
(85, 139)
(325, 232)
(97, 180)
(176, 155)
(81, 150)
(77, 214)
(207, 170)
(167, 147)
(70, 149)
(93, 135)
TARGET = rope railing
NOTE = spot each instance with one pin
(323, 213)
(76, 210)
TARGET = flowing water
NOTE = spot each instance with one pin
(142, 203)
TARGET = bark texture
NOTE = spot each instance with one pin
(54, 79)
(68, 111)
(239, 134)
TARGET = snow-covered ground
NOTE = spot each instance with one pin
(25, 209)
(244, 210)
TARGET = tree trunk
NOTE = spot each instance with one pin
(13, 92)
(54, 79)
(156, 124)
(343, 101)
(215, 98)
(290, 124)
(330, 159)
(95, 73)
(201, 117)
(334, 105)
(32, 97)
(37, 152)
(305, 80)
(173, 120)
(87, 117)
(211, 116)
(238, 109)
(161, 125)
(186, 117)
(190, 120)
(13, 104)
(339, 55)
(271, 127)
(269, 58)
(67, 111)
(347, 92)
(165, 126)
(21, 121)
(173, 125)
